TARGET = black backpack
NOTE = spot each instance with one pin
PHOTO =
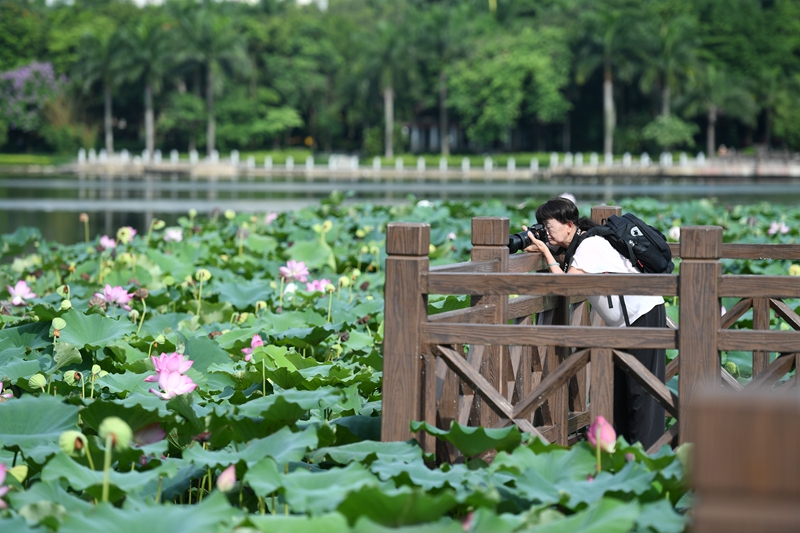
(645, 246)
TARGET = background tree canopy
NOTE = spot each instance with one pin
(371, 76)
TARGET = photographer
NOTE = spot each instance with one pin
(637, 415)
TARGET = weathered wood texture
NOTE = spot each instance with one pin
(699, 321)
(746, 469)
(406, 307)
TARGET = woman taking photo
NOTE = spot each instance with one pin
(637, 416)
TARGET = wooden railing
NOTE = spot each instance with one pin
(490, 365)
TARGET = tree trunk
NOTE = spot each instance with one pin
(566, 135)
(212, 124)
(711, 131)
(388, 112)
(665, 100)
(107, 119)
(768, 127)
(609, 115)
(149, 125)
(444, 126)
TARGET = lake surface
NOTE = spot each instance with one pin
(53, 202)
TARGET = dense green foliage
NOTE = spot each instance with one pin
(283, 438)
(362, 76)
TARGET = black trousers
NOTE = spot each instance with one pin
(638, 416)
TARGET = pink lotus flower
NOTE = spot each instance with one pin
(173, 384)
(116, 296)
(173, 235)
(149, 434)
(602, 435)
(270, 218)
(173, 362)
(227, 479)
(451, 236)
(20, 292)
(674, 233)
(5, 395)
(255, 343)
(777, 227)
(3, 490)
(318, 285)
(125, 234)
(294, 270)
(106, 242)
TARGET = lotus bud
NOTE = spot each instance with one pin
(119, 431)
(37, 381)
(71, 377)
(360, 233)
(344, 281)
(192, 213)
(223, 258)
(230, 214)
(364, 250)
(65, 305)
(227, 479)
(168, 280)
(73, 443)
(601, 434)
(202, 274)
(374, 250)
(158, 224)
(431, 248)
(84, 218)
(327, 226)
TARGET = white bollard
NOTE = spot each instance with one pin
(332, 161)
(645, 160)
(535, 164)
(683, 159)
(354, 162)
(568, 159)
(251, 161)
(194, 157)
(124, 156)
(553, 159)
(579, 159)
(215, 156)
(309, 163)
(701, 158)
(81, 156)
(102, 156)
(442, 163)
(398, 163)
(137, 160)
(234, 157)
(626, 159)
(511, 164)
(289, 162)
(92, 156)
(488, 164)
(174, 157)
(268, 162)
(376, 163)
(421, 164)
(608, 159)
(465, 165)
(157, 156)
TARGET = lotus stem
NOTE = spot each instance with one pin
(86, 229)
(158, 492)
(199, 297)
(107, 466)
(597, 449)
(330, 305)
(89, 457)
(141, 320)
(263, 375)
(280, 297)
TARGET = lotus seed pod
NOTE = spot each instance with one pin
(327, 226)
(360, 233)
(37, 381)
(158, 224)
(431, 249)
(192, 213)
(374, 250)
(118, 429)
(168, 280)
(65, 305)
(344, 281)
(95, 369)
(71, 377)
(261, 304)
(732, 369)
(355, 273)
(202, 274)
(230, 214)
(73, 443)
(364, 250)
(59, 323)
(242, 318)
(329, 287)
(161, 339)
(133, 315)
(63, 291)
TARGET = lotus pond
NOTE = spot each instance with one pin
(224, 374)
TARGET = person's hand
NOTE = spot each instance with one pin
(536, 244)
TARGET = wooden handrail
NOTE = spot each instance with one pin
(750, 286)
(468, 266)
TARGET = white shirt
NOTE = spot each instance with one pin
(596, 256)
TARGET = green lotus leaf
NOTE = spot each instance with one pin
(556, 465)
(15, 243)
(20, 525)
(243, 294)
(33, 424)
(350, 429)
(288, 406)
(319, 492)
(606, 516)
(125, 383)
(48, 491)
(417, 474)
(16, 370)
(660, 517)
(533, 486)
(135, 415)
(33, 336)
(443, 525)
(634, 479)
(175, 265)
(367, 451)
(329, 523)
(314, 254)
(203, 351)
(65, 354)
(208, 515)
(283, 446)
(158, 324)
(396, 507)
(93, 331)
(472, 441)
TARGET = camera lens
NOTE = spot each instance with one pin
(518, 241)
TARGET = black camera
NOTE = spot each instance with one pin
(520, 241)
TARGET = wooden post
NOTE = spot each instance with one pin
(490, 242)
(602, 362)
(761, 314)
(700, 270)
(405, 309)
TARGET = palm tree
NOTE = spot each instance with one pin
(149, 57)
(213, 41)
(716, 92)
(100, 61)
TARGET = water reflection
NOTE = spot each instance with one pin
(51, 202)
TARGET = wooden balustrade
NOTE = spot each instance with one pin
(551, 376)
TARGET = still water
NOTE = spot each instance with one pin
(53, 202)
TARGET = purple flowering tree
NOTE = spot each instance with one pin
(24, 93)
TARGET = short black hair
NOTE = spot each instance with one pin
(560, 209)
